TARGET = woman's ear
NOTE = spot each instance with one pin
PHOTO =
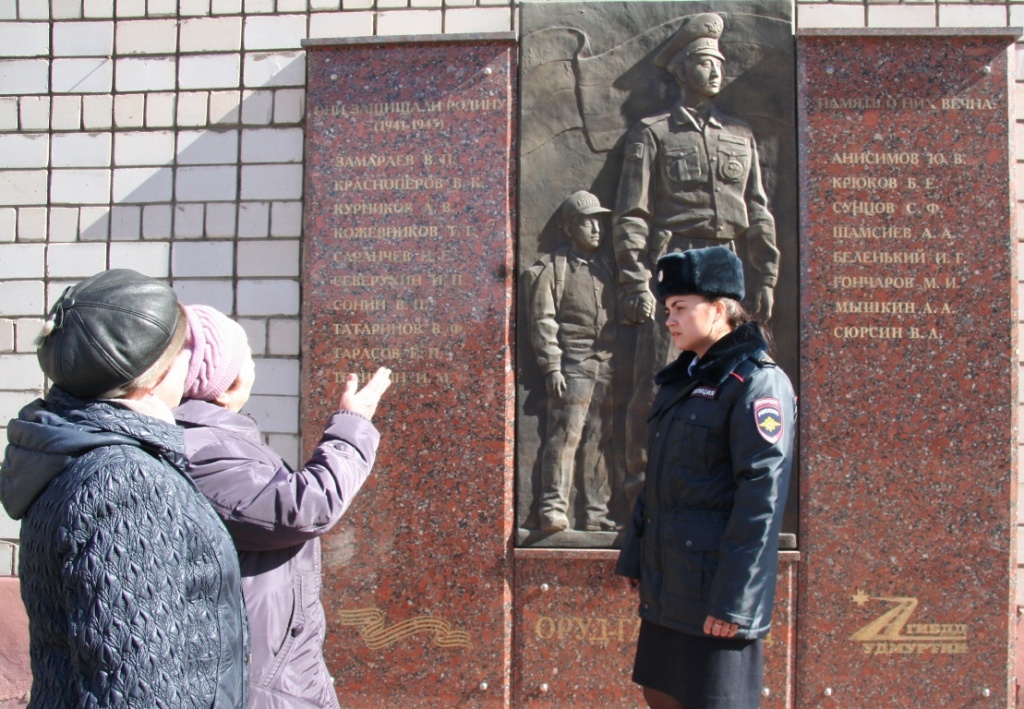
(225, 399)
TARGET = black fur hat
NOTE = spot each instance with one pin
(714, 272)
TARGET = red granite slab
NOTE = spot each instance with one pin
(908, 370)
(576, 625)
(408, 263)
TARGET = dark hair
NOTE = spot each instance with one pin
(737, 315)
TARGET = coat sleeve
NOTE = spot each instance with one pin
(762, 461)
(544, 326)
(632, 213)
(630, 555)
(267, 505)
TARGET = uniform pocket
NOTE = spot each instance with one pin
(733, 159)
(698, 442)
(684, 165)
(690, 539)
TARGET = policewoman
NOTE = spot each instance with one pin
(703, 542)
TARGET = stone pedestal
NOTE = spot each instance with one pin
(407, 264)
(576, 627)
(908, 370)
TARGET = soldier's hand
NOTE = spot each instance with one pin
(364, 401)
(555, 384)
(637, 308)
(764, 301)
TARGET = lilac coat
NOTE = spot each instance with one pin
(275, 516)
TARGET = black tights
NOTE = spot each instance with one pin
(660, 700)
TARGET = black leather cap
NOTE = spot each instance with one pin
(715, 272)
(106, 331)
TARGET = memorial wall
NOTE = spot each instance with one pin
(446, 182)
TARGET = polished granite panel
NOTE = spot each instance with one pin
(576, 627)
(407, 264)
(908, 366)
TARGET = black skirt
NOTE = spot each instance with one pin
(701, 672)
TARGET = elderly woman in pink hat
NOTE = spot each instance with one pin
(274, 514)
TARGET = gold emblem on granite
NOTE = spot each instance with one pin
(376, 633)
(891, 633)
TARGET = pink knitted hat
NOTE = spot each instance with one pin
(219, 346)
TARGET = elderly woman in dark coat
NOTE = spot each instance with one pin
(130, 581)
(703, 544)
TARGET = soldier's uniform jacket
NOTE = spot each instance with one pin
(572, 311)
(705, 528)
(679, 182)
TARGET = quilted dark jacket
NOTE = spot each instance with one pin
(276, 516)
(129, 579)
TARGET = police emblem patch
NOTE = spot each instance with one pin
(636, 151)
(768, 417)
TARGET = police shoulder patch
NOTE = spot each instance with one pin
(636, 151)
(768, 418)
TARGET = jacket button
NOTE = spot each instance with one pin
(689, 543)
(298, 630)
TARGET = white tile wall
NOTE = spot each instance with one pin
(6, 346)
(201, 147)
(75, 260)
(22, 187)
(8, 113)
(32, 224)
(147, 37)
(143, 184)
(203, 259)
(83, 39)
(207, 183)
(18, 259)
(271, 181)
(268, 297)
(253, 220)
(80, 187)
(24, 76)
(274, 32)
(24, 150)
(81, 150)
(153, 147)
(286, 219)
(67, 113)
(275, 69)
(276, 377)
(257, 259)
(211, 34)
(152, 259)
(21, 298)
(209, 71)
(63, 225)
(8, 224)
(146, 74)
(272, 145)
(25, 332)
(91, 75)
(24, 39)
(218, 294)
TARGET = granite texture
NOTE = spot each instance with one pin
(908, 370)
(576, 626)
(408, 264)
